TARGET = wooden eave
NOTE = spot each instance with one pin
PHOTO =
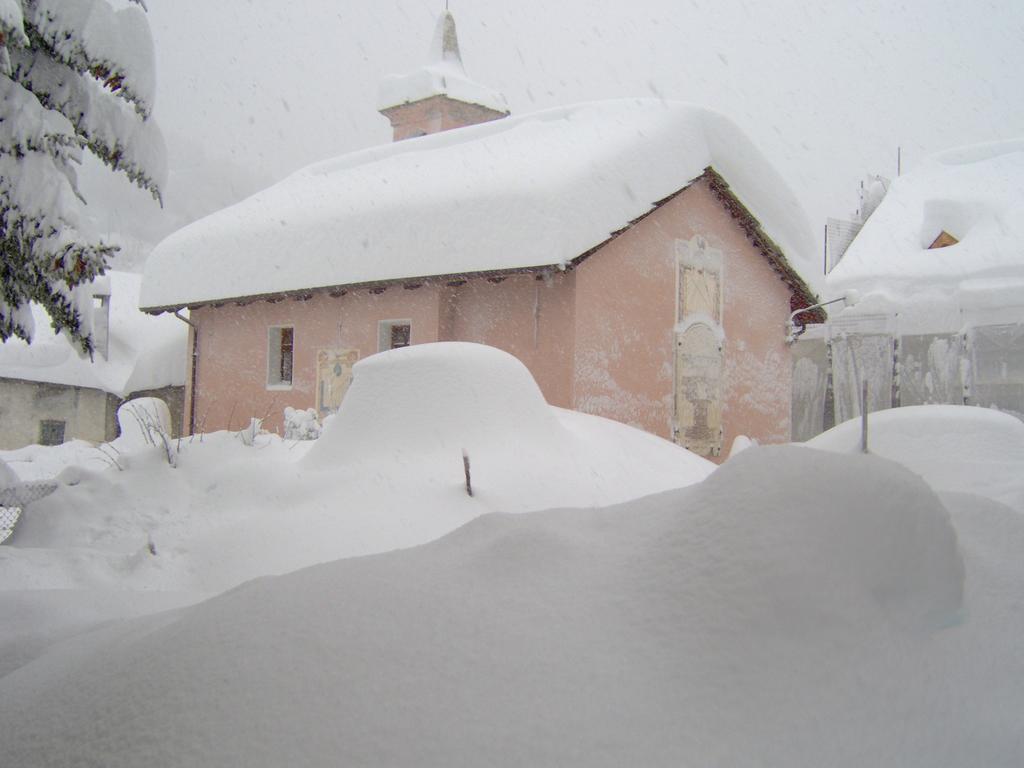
(801, 295)
(373, 286)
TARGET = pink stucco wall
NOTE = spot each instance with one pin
(435, 114)
(527, 317)
(232, 371)
(626, 313)
(599, 338)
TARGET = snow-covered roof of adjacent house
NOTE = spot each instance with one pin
(145, 352)
(524, 192)
(443, 75)
(975, 195)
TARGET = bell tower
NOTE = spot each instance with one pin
(439, 95)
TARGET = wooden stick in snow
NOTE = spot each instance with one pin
(465, 468)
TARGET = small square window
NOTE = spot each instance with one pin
(394, 334)
(51, 432)
(280, 356)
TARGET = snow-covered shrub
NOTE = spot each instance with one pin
(146, 421)
(301, 425)
(248, 435)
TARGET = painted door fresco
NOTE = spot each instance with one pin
(333, 376)
(698, 358)
(699, 390)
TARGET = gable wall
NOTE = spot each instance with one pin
(624, 320)
(626, 314)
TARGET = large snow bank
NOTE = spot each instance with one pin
(124, 523)
(975, 194)
(797, 608)
(145, 352)
(528, 191)
(955, 448)
(387, 473)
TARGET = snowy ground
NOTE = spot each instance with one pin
(387, 474)
(796, 607)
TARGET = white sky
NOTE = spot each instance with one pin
(827, 90)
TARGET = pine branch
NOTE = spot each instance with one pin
(30, 272)
(45, 32)
(89, 110)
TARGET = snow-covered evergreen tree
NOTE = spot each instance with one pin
(75, 76)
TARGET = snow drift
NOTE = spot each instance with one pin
(387, 473)
(445, 396)
(791, 610)
(955, 448)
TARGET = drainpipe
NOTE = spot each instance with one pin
(195, 364)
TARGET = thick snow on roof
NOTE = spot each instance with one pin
(444, 75)
(526, 191)
(975, 194)
(145, 352)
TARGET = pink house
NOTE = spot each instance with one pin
(636, 255)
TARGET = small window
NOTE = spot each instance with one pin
(394, 334)
(51, 432)
(280, 352)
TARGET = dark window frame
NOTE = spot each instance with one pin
(52, 431)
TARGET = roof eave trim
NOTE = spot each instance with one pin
(304, 294)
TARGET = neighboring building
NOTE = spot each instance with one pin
(839, 234)
(939, 268)
(616, 248)
(49, 394)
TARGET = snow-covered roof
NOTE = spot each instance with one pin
(975, 194)
(528, 191)
(443, 75)
(145, 352)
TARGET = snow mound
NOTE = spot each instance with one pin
(791, 587)
(139, 420)
(954, 448)
(387, 474)
(410, 413)
(437, 398)
(846, 549)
